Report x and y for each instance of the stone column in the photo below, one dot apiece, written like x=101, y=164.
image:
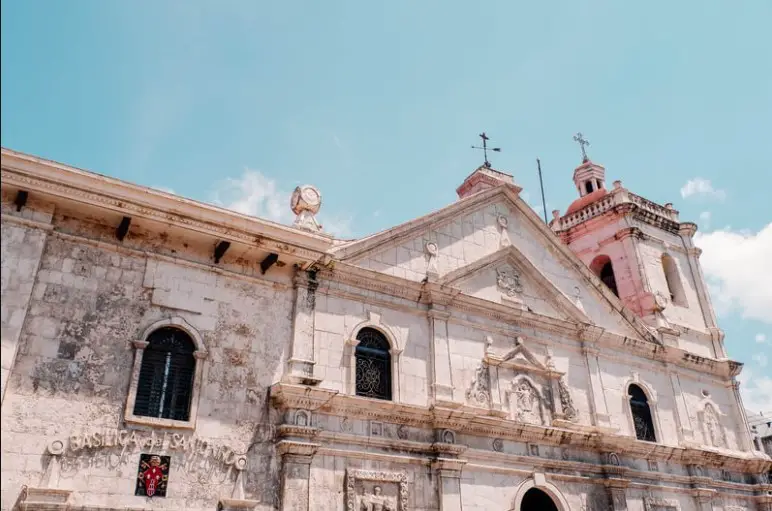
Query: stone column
x=295, y=474
x=301, y=362
x=443, y=377
x=449, y=476
x=617, y=490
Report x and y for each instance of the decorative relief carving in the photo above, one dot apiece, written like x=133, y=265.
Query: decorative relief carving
x=660, y=504
x=402, y=432
x=345, y=425
x=613, y=459
x=479, y=393
x=369, y=490
x=498, y=444
x=508, y=281
x=302, y=418
x=305, y=203
x=527, y=405
x=714, y=432
x=447, y=436
x=566, y=402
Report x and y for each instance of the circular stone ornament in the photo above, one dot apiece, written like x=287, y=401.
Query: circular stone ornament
x=431, y=248
x=56, y=448
x=306, y=198
x=503, y=221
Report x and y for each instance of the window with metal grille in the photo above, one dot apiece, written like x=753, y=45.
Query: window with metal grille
x=166, y=376
x=639, y=406
x=373, y=365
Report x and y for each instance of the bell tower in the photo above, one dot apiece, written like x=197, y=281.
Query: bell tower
x=644, y=254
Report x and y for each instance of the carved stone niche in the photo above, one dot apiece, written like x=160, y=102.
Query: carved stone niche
x=537, y=393
x=371, y=490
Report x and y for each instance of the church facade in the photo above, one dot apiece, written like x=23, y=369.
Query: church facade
x=161, y=353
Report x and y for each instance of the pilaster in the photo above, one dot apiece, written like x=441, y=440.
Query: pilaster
x=442, y=386
x=617, y=490
x=48, y=496
x=599, y=409
x=704, y=499
x=449, y=472
x=301, y=362
x=295, y=474
x=743, y=433
x=683, y=426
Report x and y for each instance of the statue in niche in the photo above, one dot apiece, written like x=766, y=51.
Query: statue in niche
x=565, y=399
x=715, y=432
x=479, y=392
x=527, y=403
x=509, y=281
x=376, y=501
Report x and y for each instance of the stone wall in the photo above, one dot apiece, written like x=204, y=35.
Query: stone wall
x=73, y=368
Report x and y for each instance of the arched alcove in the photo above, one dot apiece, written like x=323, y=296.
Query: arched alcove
x=602, y=267
x=673, y=278
x=537, y=500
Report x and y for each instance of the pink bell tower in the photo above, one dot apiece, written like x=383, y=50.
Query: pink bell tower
x=644, y=255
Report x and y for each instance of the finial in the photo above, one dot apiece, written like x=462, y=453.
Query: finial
x=484, y=148
x=583, y=142
x=305, y=203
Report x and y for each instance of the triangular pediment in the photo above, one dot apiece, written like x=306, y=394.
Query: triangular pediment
x=509, y=278
x=491, y=227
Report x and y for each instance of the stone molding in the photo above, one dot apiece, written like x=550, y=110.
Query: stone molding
x=468, y=420
x=648, y=347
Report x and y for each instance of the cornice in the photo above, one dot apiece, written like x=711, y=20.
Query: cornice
x=57, y=180
x=469, y=421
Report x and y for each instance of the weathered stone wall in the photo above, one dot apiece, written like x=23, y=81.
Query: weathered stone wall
x=23, y=238
x=74, y=364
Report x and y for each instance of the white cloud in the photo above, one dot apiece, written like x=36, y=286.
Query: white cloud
x=734, y=264
x=756, y=392
x=701, y=187
x=760, y=359
x=761, y=338
x=256, y=194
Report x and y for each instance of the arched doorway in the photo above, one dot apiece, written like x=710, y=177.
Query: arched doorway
x=537, y=500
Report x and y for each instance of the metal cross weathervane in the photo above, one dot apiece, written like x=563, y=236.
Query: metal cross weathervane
x=583, y=142
x=485, y=148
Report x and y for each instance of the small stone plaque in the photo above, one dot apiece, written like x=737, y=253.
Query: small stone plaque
x=152, y=475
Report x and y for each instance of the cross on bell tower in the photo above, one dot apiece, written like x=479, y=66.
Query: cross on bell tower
x=484, y=148
x=583, y=142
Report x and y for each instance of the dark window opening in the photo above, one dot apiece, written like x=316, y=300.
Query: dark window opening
x=598, y=184
x=536, y=500
x=639, y=406
x=588, y=186
x=673, y=279
x=373, y=365
x=165, y=385
x=607, y=276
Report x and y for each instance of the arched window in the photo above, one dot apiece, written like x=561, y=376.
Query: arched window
x=165, y=384
x=588, y=186
x=373, y=364
x=639, y=406
x=601, y=266
x=673, y=279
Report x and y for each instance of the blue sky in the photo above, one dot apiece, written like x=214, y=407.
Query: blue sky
x=377, y=104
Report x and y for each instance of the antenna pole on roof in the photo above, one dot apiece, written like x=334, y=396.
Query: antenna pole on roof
x=541, y=184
